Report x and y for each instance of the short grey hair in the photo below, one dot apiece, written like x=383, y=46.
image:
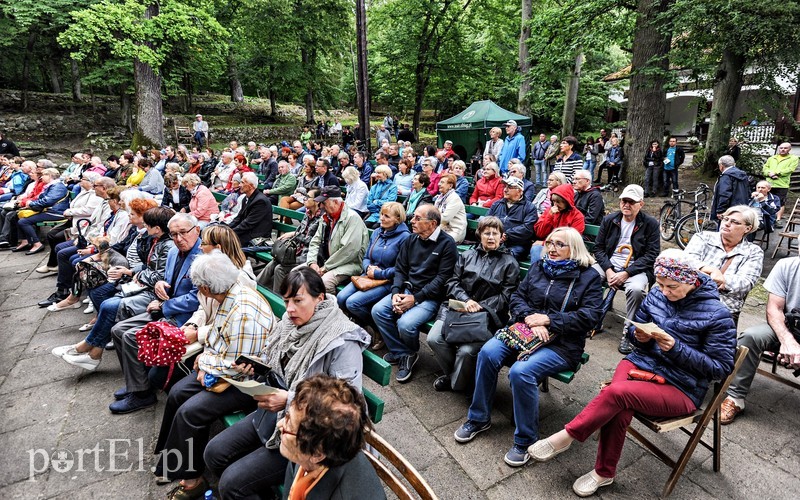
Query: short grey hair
x=214, y=271
x=727, y=161
x=518, y=166
x=582, y=174
x=45, y=163
x=192, y=179
x=182, y=217
x=250, y=178
x=128, y=195
x=106, y=182
x=750, y=215
x=90, y=176
x=227, y=154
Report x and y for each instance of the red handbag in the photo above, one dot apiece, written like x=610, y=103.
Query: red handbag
x=161, y=344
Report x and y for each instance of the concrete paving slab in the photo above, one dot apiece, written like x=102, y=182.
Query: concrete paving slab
x=27, y=451
x=38, y=371
x=401, y=428
x=48, y=405
x=449, y=480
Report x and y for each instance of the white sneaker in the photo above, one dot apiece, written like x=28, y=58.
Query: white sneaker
x=45, y=269
x=87, y=300
x=89, y=309
x=82, y=360
x=59, y=352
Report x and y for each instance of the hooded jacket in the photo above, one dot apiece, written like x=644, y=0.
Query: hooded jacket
x=705, y=339
x=731, y=189
x=571, y=217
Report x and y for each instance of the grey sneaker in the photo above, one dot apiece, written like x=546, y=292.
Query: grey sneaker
x=405, y=366
x=517, y=456
x=625, y=346
x=469, y=430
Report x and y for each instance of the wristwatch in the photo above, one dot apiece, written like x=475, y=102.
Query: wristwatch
x=192, y=324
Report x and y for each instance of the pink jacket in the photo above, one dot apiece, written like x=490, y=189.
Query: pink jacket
x=203, y=204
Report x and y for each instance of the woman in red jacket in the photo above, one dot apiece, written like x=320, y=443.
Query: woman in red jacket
x=489, y=188
x=562, y=213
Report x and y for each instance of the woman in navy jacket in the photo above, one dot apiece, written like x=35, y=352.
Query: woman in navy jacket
x=696, y=345
x=378, y=264
x=50, y=205
x=559, y=301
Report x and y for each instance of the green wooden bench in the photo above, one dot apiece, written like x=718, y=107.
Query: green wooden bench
x=591, y=231
x=220, y=197
x=50, y=223
x=479, y=211
x=374, y=368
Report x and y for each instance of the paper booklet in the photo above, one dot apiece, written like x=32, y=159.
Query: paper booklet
x=251, y=387
x=457, y=305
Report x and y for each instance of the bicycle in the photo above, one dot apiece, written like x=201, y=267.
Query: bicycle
x=671, y=212
x=700, y=219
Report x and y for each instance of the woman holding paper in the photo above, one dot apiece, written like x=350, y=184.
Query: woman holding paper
x=685, y=336
x=552, y=311
x=484, y=278
x=313, y=337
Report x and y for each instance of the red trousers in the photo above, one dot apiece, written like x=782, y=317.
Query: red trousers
x=611, y=411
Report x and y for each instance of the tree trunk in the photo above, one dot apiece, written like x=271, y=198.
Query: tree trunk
x=55, y=75
x=362, y=82
x=126, y=118
x=523, y=104
x=76, y=80
x=237, y=94
x=647, y=100
x=571, y=99
x=273, y=105
x=728, y=83
x=149, y=130
x=26, y=68
x=310, y=85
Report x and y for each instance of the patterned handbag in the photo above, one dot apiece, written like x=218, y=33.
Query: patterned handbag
x=161, y=344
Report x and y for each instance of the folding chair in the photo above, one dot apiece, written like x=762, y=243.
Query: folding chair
x=773, y=373
x=377, y=447
x=790, y=232
x=701, y=417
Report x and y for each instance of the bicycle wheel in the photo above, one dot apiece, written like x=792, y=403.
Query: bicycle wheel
x=691, y=224
x=667, y=221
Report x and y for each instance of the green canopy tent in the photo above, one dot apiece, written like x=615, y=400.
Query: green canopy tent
x=469, y=129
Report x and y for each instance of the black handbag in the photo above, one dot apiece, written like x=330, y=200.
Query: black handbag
x=81, y=241
x=466, y=327
x=284, y=251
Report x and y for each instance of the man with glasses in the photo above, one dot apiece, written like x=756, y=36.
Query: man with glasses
x=424, y=263
x=513, y=146
x=176, y=301
x=588, y=198
x=518, y=216
x=628, y=226
x=254, y=219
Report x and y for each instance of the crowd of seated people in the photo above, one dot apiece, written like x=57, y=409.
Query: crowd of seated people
x=372, y=263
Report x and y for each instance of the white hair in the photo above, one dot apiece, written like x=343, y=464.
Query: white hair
x=128, y=195
x=91, y=176
x=183, y=217
x=227, y=154
x=192, y=179
x=215, y=271
x=250, y=178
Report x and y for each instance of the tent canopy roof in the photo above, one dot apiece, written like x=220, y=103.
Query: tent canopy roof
x=481, y=114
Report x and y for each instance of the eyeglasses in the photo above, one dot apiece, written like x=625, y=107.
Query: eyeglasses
x=97, y=185
x=558, y=245
x=418, y=218
x=181, y=234
x=734, y=221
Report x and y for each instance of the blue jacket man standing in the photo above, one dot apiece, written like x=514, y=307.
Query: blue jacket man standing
x=514, y=146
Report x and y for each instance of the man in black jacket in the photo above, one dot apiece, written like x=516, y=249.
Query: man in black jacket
x=324, y=175
x=588, y=198
x=269, y=166
x=255, y=218
x=629, y=226
x=424, y=264
x=518, y=216
x=731, y=189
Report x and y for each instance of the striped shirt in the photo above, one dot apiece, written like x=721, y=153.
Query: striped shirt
x=569, y=166
x=242, y=325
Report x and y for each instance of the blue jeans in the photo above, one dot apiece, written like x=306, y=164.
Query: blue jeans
x=670, y=180
x=401, y=333
x=359, y=304
x=589, y=165
x=524, y=376
x=27, y=226
x=64, y=253
x=101, y=293
x=536, y=252
x=5, y=197
x=200, y=138
x=540, y=172
x=106, y=318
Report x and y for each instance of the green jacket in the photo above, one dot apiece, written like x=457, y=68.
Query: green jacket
x=783, y=166
x=347, y=246
x=284, y=185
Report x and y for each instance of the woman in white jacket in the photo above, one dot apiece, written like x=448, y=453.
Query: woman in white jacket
x=357, y=191
x=454, y=215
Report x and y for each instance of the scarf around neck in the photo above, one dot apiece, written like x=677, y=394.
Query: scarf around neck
x=555, y=268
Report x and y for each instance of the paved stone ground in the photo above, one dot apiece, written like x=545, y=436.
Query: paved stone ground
x=47, y=406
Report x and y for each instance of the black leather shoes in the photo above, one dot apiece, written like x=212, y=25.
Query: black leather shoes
x=54, y=298
x=23, y=248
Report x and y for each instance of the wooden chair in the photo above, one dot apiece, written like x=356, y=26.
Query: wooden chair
x=184, y=135
x=701, y=417
x=375, y=443
x=773, y=373
x=790, y=232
